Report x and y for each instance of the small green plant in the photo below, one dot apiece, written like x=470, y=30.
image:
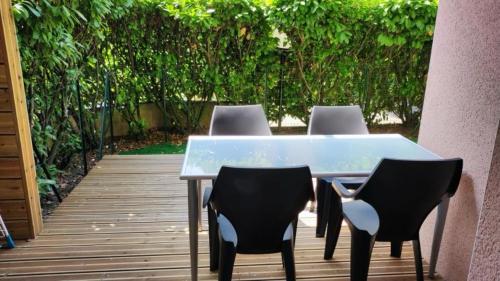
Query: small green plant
x=45, y=184
x=137, y=129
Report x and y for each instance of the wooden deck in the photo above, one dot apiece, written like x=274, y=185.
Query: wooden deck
x=127, y=220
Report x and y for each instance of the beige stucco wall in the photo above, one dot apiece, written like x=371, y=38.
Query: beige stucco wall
x=153, y=117
x=485, y=263
x=460, y=118
x=149, y=112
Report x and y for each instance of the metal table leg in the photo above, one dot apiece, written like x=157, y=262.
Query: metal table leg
x=438, y=234
x=193, y=212
x=200, y=207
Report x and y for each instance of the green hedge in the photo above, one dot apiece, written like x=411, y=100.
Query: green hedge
x=175, y=53
x=181, y=54
x=352, y=52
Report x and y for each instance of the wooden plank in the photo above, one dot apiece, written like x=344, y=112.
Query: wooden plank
x=170, y=275
x=5, y=105
x=13, y=209
x=8, y=146
x=7, y=125
x=166, y=249
x=11, y=189
x=14, y=75
x=10, y=168
x=171, y=158
x=255, y=264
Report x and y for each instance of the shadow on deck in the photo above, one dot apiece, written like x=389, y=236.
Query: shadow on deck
x=127, y=220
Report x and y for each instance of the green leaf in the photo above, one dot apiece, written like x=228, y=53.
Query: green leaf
x=34, y=10
x=385, y=40
x=80, y=15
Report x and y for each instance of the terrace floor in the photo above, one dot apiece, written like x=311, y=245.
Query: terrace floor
x=127, y=220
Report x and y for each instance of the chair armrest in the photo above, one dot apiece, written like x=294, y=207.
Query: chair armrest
x=226, y=230
x=343, y=191
x=361, y=216
x=206, y=195
x=288, y=235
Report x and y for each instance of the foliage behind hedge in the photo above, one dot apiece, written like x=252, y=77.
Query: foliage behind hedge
x=181, y=54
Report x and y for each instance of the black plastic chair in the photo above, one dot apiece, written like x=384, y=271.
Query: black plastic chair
x=234, y=120
x=333, y=120
x=390, y=206
x=339, y=120
x=239, y=120
x=253, y=211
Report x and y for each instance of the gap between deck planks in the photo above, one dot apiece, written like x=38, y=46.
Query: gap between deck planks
x=127, y=220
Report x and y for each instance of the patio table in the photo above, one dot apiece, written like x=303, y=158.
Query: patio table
x=326, y=155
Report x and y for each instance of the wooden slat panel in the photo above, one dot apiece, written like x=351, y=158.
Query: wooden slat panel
x=2, y=57
x=13, y=209
x=8, y=146
x=11, y=189
x=7, y=123
x=19, y=229
x=3, y=76
x=8, y=42
x=10, y=168
x=5, y=105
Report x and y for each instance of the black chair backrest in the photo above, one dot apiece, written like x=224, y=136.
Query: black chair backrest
x=404, y=192
x=244, y=120
x=261, y=203
x=336, y=120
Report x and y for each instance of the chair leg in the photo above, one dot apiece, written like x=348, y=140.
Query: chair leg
x=312, y=206
x=213, y=239
x=295, y=224
x=327, y=205
x=288, y=260
x=334, y=225
x=361, y=250
x=418, y=260
x=226, y=260
x=396, y=248
x=320, y=200
x=282, y=260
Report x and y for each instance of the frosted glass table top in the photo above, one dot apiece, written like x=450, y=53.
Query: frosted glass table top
x=326, y=155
